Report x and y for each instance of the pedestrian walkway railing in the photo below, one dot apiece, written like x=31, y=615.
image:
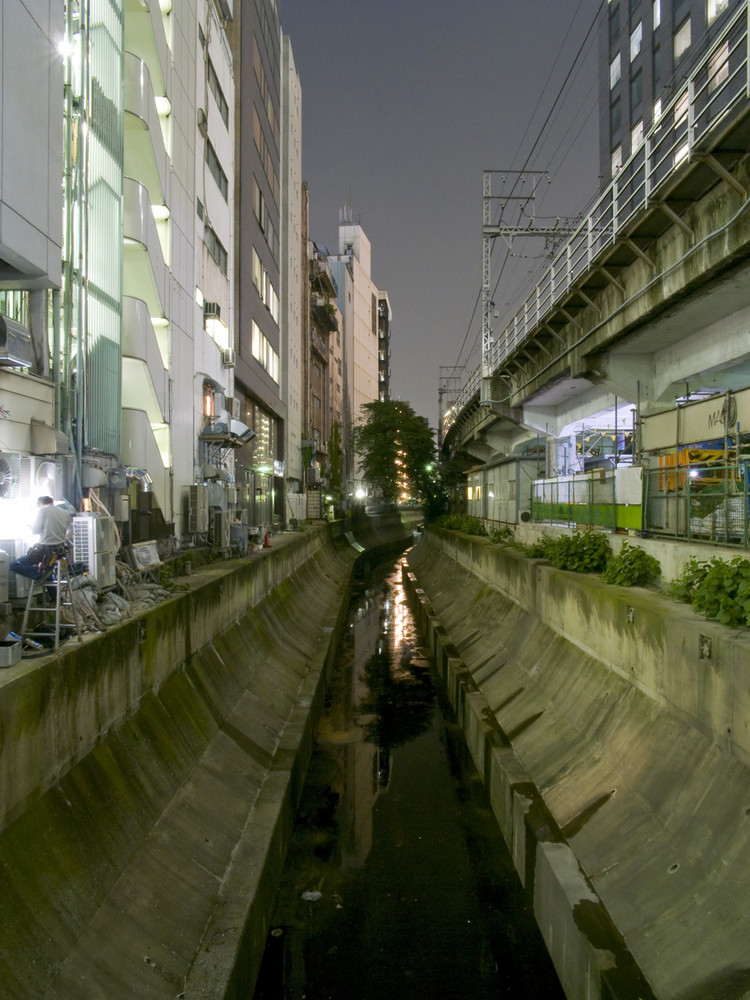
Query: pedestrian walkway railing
x=716, y=86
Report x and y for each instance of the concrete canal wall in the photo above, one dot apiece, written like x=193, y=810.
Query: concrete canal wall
x=612, y=728
x=149, y=778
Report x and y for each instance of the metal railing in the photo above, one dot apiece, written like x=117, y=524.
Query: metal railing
x=707, y=504
x=585, y=501
x=719, y=81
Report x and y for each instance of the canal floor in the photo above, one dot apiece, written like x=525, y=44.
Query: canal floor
x=398, y=884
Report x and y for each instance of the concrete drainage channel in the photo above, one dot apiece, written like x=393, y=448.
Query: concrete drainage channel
x=149, y=779
x=573, y=920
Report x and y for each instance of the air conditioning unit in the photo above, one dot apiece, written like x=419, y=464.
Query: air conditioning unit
x=94, y=543
x=45, y=476
x=220, y=530
x=10, y=475
x=212, y=309
x=197, y=509
x=4, y=576
x=312, y=475
x=228, y=357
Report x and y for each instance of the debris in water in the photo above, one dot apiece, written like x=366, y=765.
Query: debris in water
x=311, y=897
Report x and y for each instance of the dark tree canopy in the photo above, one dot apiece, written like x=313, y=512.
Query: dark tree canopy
x=393, y=441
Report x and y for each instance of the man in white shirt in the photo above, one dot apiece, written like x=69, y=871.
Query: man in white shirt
x=52, y=525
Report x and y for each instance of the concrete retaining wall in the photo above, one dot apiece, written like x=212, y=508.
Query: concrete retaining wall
x=611, y=728
x=149, y=779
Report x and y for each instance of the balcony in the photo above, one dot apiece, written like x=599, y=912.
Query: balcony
x=146, y=39
x=146, y=157
x=144, y=374
x=324, y=316
x=144, y=272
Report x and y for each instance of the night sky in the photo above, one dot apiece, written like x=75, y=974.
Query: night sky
x=404, y=104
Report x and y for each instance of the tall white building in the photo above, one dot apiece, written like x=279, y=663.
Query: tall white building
x=130, y=297
x=358, y=301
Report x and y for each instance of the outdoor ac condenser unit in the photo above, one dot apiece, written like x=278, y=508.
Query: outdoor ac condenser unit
x=198, y=509
x=94, y=544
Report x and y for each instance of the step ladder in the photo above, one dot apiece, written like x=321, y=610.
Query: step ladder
x=55, y=577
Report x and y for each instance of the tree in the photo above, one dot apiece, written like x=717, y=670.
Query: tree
x=396, y=451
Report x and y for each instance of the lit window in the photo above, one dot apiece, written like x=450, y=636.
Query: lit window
x=656, y=13
x=616, y=159
x=682, y=39
x=718, y=67
x=657, y=110
x=714, y=8
x=636, y=136
x=636, y=40
x=614, y=71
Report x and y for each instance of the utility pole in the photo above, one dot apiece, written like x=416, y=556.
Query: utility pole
x=526, y=183
x=451, y=377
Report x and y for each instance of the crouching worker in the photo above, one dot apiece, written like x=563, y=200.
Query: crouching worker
x=52, y=525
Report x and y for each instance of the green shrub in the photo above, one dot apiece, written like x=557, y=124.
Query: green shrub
x=582, y=552
x=631, y=567
x=461, y=522
x=683, y=587
x=501, y=536
x=540, y=549
x=724, y=592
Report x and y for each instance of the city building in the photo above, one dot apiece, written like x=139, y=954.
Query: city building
x=322, y=445
x=119, y=281
x=293, y=280
x=358, y=301
x=384, y=347
x=255, y=38
x=647, y=47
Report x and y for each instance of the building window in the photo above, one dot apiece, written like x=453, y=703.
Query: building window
x=616, y=159
x=265, y=91
x=264, y=353
x=216, y=172
x=718, y=67
x=636, y=40
x=636, y=90
x=657, y=110
x=682, y=39
x=221, y=101
x=615, y=115
x=266, y=156
x=614, y=24
x=656, y=63
x=260, y=207
x=714, y=8
x=615, y=72
x=215, y=249
x=636, y=136
x=264, y=285
x=656, y=13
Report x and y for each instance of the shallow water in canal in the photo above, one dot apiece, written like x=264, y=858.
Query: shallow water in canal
x=398, y=884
